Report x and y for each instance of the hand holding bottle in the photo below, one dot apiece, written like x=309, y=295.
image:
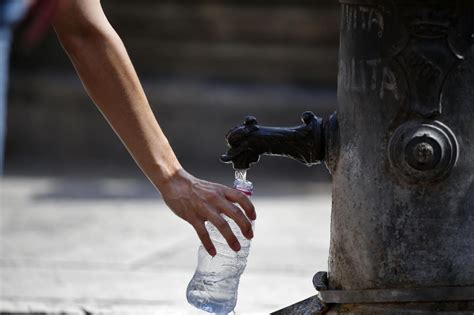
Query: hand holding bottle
x=197, y=201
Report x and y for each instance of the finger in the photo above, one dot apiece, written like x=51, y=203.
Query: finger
x=233, y=195
x=204, y=237
x=225, y=230
x=236, y=214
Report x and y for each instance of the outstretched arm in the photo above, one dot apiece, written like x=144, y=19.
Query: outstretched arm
x=107, y=74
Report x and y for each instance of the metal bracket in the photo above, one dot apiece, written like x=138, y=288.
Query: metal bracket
x=398, y=295
x=433, y=294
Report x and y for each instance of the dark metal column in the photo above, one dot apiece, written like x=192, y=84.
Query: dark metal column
x=403, y=209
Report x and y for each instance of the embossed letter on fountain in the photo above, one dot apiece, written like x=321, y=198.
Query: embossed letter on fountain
x=371, y=75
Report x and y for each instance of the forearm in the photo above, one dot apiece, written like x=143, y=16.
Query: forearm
x=107, y=73
x=108, y=76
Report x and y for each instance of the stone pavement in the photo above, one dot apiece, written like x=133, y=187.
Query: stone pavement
x=108, y=246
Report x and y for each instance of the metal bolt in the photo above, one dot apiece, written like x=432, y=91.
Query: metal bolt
x=423, y=152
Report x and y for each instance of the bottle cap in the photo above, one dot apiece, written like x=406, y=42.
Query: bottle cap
x=244, y=186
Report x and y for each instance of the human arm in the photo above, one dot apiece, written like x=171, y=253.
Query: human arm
x=107, y=74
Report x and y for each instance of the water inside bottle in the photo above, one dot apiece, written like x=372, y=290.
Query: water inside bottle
x=211, y=292
x=214, y=285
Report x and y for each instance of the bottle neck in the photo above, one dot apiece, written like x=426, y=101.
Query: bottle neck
x=244, y=186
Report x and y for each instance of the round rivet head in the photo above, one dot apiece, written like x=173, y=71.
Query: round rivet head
x=423, y=151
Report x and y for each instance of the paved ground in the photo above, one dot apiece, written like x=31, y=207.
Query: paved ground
x=111, y=246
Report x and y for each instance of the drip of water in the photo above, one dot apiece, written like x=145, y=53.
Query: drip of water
x=241, y=175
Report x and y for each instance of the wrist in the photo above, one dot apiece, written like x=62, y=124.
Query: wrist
x=175, y=182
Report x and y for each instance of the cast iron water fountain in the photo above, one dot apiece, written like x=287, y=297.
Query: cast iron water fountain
x=401, y=154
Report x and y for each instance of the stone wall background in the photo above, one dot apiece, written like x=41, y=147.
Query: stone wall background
x=205, y=65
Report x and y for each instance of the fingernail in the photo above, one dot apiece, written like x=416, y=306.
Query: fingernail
x=250, y=234
x=212, y=252
x=236, y=246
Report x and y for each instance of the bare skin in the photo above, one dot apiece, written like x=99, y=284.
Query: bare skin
x=109, y=78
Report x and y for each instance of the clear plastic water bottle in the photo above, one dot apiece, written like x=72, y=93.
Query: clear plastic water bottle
x=214, y=285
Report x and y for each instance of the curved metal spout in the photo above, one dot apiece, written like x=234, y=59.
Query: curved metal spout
x=304, y=143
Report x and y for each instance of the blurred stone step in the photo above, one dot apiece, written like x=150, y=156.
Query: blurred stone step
x=228, y=22
x=51, y=116
x=274, y=41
